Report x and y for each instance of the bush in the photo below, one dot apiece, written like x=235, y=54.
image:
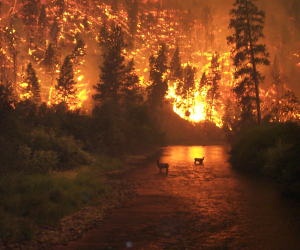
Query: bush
x=30, y=200
x=250, y=149
x=272, y=150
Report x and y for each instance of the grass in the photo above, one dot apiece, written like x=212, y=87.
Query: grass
x=30, y=200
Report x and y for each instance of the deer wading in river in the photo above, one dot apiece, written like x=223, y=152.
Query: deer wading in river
x=163, y=165
x=200, y=160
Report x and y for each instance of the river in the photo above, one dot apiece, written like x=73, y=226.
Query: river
x=199, y=206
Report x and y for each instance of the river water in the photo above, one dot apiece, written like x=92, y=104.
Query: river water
x=205, y=206
x=225, y=209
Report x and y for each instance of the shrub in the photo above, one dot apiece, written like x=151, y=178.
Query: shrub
x=271, y=149
x=250, y=149
x=30, y=200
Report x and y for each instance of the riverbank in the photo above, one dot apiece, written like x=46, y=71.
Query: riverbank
x=73, y=226
x=271, y=150
x=196, y=206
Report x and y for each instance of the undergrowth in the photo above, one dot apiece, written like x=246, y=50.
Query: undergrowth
x=31, y=200
x=271, y=150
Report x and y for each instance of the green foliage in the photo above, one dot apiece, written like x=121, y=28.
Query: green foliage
x=30, y=200
x=271, y=149
x=40, y=151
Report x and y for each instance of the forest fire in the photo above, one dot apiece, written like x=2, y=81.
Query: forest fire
x=73, y=29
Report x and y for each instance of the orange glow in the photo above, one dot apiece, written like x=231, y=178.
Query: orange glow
x=168, y=28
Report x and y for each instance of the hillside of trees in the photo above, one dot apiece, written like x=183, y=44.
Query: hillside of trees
x=83, y=84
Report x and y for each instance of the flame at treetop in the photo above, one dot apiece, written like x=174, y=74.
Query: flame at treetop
x=155, y=25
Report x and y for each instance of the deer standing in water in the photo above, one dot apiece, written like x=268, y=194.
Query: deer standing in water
x=200, y=160
x=163, y=165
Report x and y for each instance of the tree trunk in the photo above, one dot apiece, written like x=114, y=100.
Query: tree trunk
x=254, y=68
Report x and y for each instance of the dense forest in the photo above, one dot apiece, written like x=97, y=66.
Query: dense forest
x=87, y=80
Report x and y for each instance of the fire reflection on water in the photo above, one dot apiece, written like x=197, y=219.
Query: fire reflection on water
x=221, y=208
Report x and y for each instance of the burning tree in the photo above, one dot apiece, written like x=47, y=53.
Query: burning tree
x=213, y=86
x=176, y=69
x=277, y=76
x=287, y=109
x=248, y=23
x=42, y=22
x=12, y=40
x=50, y=60
x=66, y=91
x=30, y=12
x=33, y=86
x=188, y=88
x=79, y=52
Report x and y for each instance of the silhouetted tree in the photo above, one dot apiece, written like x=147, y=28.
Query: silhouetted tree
x=50, y=60
x=188, y=88
x=158, y=80
x=54, y=32
x=33, y=86
x=176, y=76
x=113, y=69
x=295, y=10
x=66, y=91
x=132, y=11
x=79, y=52
x=12, y=41
x=6, y=98
x=30, y=12
x=229, y=121
x=86, y=24
x=207, y=21
x=130, y=90
x=61, y=6
x=212, y=92
x=103, y=36
x=176, y=68
x=277, y=76
x=248, y=23
x=42, y=21
x=203, y=82
x=115, y=7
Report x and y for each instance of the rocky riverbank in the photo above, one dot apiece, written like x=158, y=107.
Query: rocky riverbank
x=72, y=227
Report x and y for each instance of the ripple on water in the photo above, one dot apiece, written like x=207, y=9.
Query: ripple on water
x=220, y=209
